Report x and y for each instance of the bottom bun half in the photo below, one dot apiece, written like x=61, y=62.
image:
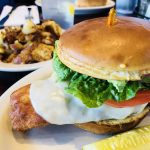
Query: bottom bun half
x=114, y=126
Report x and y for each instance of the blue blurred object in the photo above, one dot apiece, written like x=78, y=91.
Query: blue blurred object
x=126, y=6
x=6, y=2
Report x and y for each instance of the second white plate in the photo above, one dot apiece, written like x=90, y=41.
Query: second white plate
x=86, y=10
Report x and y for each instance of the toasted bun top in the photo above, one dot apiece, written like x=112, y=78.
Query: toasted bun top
x=91, y=47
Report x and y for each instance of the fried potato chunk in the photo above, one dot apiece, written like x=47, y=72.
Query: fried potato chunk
x=18, y=43
x=42, y=52
x=22, y=115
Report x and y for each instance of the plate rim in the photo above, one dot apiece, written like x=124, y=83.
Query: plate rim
x=22, y=81
x=10, y=67
x=112, y=3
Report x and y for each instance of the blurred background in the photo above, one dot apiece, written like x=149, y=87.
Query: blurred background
x=140, y=8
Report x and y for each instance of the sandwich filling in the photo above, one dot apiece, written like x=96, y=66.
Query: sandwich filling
x=94, y=92
x=69, y=97
x=56, y=106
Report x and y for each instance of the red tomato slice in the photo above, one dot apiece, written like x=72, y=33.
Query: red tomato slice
x=142, y=97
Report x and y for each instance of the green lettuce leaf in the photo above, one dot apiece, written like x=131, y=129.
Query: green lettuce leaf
x=94, y=92
x=146, y=79
x=64, y=73
x=119, y=85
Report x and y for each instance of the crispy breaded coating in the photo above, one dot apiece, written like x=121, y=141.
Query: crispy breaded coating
x=22, y=115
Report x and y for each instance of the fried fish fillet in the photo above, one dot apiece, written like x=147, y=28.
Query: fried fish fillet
x=22, y=115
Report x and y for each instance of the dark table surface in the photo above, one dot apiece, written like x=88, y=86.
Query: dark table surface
x=9, y=78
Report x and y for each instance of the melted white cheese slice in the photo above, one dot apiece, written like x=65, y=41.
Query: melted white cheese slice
x=57, y=107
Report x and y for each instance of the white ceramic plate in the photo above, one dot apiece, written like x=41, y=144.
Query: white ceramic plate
x=9, y=67
x=93, y=10
x=87, y=10
x=51, y=137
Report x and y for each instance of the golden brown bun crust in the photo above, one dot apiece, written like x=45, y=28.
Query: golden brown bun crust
x=91, y=46
x=89, y=3
x=114, y=126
